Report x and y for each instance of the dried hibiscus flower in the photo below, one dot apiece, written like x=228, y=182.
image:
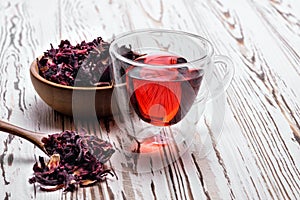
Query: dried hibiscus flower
x=76, y=161
x=85, y=64
x=62, y=65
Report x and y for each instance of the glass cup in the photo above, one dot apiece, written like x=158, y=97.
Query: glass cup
x=162, y=82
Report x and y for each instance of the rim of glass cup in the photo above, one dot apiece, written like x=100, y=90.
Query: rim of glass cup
x=113, y=51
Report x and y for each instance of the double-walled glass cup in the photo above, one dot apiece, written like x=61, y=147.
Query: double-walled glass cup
x=162, y=80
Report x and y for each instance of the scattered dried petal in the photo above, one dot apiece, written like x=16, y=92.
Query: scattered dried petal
x=85, y=183
x=54, y=161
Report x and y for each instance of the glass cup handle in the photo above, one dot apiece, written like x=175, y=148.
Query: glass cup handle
x=222, y=75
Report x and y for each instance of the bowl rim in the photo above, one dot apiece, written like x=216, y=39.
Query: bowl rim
x=34, y=72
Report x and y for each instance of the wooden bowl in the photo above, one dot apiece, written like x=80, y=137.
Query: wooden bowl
x=72, y=101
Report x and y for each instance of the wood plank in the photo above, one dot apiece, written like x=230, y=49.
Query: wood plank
x=21, y=41
x=253, y=80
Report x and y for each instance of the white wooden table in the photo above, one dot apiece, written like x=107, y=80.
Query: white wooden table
x=252, y=153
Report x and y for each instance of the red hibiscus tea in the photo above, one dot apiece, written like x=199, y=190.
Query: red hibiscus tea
x=162, y=95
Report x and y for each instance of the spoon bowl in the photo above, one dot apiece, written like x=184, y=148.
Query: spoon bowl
x=96, y=146
x=80, y=156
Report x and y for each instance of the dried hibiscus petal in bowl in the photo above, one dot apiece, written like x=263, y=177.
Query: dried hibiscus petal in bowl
x=76, y=160
x=61, y=65
x=86, y=64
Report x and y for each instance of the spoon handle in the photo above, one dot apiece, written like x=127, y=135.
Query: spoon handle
x=30, y=136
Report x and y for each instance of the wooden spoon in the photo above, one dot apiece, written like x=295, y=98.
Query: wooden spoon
x=33, y=137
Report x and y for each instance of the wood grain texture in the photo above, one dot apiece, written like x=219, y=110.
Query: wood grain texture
x=251, y=152
x=258, y=80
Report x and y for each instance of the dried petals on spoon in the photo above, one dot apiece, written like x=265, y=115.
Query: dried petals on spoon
x=76, y=160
